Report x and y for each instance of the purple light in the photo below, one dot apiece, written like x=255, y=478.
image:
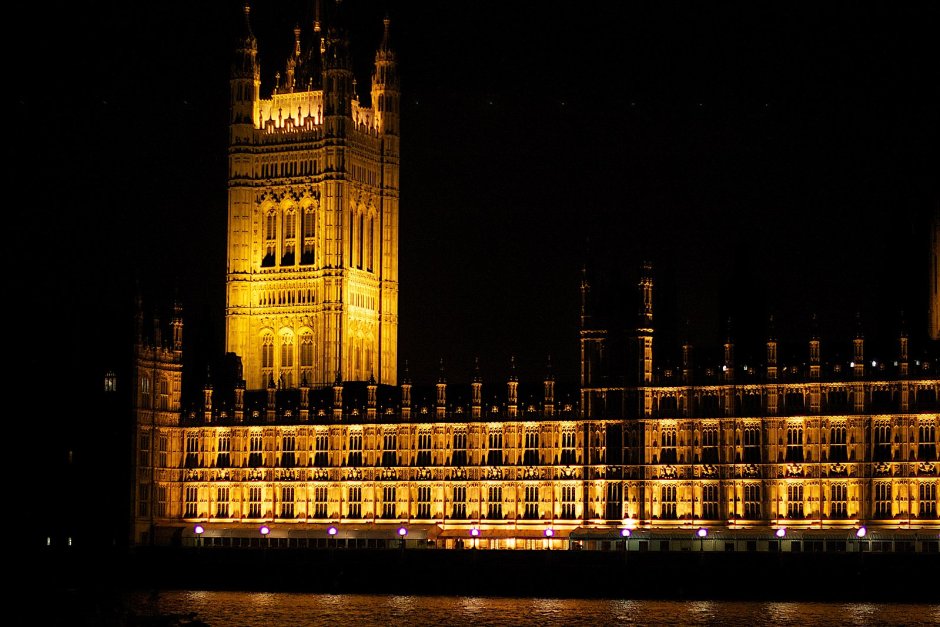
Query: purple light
x=402, y=531
x=781, y=532
x=702, y=532
x=475, y=532
x=265, y=530
x=861, y=532
x=199, y=530
x=549, y=533
x=331, y=530
x=625, y=533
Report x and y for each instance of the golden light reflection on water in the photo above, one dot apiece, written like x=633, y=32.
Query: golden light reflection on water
x=251, y=609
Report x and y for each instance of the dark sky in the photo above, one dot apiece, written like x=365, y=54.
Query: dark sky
x=771, y=157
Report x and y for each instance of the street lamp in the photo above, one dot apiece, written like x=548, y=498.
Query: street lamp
x=199, y=530
x=861, y=532
x=780, y=533
x=625, y=533
x=402, y=532
x=701, y=533
x=265, y=530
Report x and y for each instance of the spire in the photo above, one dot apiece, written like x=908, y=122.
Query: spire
x=441, y=378
x=476, y=370
x=406, y=377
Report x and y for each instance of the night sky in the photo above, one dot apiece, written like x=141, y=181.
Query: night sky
x=779, y=158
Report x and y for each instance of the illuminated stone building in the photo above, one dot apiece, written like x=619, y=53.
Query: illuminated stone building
x=775, y=456
x=312, y=280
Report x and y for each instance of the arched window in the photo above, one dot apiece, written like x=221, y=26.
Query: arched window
x=287, y=359
x=306, y=356
x=270, y=238
x=371, y=244
x=267, y=357
x=309, y=235
x=164, y=393
x=290, y=234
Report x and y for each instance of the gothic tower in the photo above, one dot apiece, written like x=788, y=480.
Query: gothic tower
x=934, y=322
x=312, y=275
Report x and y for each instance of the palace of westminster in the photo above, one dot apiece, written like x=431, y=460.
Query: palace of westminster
x=319, y=438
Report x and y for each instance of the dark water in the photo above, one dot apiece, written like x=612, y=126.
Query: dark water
x=253, y=609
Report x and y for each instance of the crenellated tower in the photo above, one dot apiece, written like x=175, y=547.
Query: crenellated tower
x=312, y=274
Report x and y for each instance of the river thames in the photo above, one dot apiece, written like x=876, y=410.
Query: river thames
x=263, y=609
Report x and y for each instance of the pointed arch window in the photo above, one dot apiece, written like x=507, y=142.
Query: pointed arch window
x=267, y=357
x=371, y=244
x=287, y=359
x=309, y=233
x=290, y=237
x=306, y=356
x=270, y=239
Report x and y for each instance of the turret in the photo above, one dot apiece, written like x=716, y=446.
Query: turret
x=727, y=368
x=476, y=391
x=176, y=325
x=245, y=82
x=337, y=76
x=903, y=352
x=338, y=398
x=386, y=94
x=549, y=391
x=207, y=400
x=371, y=388
x=441, y=393
x=270, y=410
x=771, y=350
x=512, y=390
x=858, y=349
x=814, y=352
x=240, y=401
x=406, y=394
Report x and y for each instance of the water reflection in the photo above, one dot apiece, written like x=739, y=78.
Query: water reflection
x=249, y=609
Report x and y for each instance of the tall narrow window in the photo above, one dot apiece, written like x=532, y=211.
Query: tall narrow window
x=355, y=449
x=270, y=239
x=883, y=500
x=459, y=511
x=390, y=449
x=838, y=501
x=530, y=455
x=752, y=501
x=567, y=447
x=568, y=501
x=267, y=357
x=224, y=450
x=306, y=357
x=321, y=456
x=794, y=501
x=459, y=456
x=710, y=502
x=424, y=502
x=290, y=235
x=287, y=360
x=531, y=502
x=359, y=242
x=164, y=446
x=255, y=454
x=164, y=393
x=710, y=446
x=668, y=502
x=192, y=449
x=795, y=445
x=388, y=502
x=352, y=238
x=254, y=502
x=667, y=449
x=309, y=234
x=320, y=502
x=614, y=500
x=928, y=500
x=424, y=449
x=288, y=453
x=355, y=502
x=371, y=244
x=927, y=443
x=192, y=502
x=494, y=454
x=837, y=447
x=221, y=503
x=287, y=502
x=882, y=443
x=494, y=503
x=752, y=445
